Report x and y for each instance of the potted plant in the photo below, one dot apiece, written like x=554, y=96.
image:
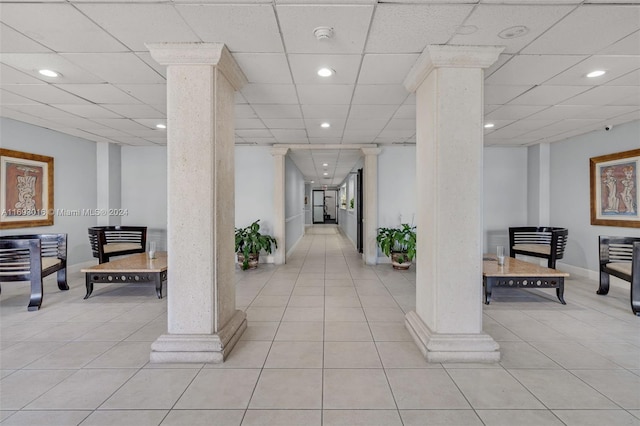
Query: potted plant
x=249, y=243
x=399, y=244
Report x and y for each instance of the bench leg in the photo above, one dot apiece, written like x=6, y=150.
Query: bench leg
x=158, y=280
x=604, y=283
x=35, y=301
x=635, y=294
x=560, y=293
x=488, y=286
x=62, y=279
x=89, y=285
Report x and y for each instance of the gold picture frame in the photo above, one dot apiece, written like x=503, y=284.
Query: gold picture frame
x=26, y=190
x=615, y=189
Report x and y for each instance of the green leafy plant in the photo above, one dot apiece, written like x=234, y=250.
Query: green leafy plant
x=351, y=203
x=401, y=240
x=249, y=241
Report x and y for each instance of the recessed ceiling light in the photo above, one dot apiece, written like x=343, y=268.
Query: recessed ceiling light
x=514, y=32
x=325, y=125
x=489, y=125
x=596, y=73
x=313, y=181
x=325, y=72
x=49, y=73
x=326, y=174
x=325, y=164
x=161, y=126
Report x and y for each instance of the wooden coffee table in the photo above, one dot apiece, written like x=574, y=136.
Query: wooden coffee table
x=137, y=268
x=517, y=273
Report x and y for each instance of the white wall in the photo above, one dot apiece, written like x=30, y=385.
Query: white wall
x=144, y=190
x=294, y=204
x=505, y=194
x=396, y=185
x=75, y=181
x=308, y=216
x=254, y=187
x=570, y=196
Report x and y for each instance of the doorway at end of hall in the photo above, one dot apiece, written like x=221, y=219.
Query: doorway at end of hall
x=325, y=206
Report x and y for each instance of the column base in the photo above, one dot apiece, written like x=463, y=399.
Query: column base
x=199, y=348
x=438, y=347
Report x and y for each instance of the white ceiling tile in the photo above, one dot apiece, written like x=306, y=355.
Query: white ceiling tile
x=502, y=59
x=248, y=123
x=14, y=41
x=396, y=134
x=97, y=93
x=277, y=111
x=269, y=68
x=350, y=24
x=10, y=75
x=116, y=68
x=629, y=45
x=45, y=93
x=244, y=111
x=325, y=111
x=615, y=66
x=532, y=69
x=284, y=123
x=491, y=20
x=57, y=26
x=289, y=135
x=606, y=112
x=547, y=95
x=386, y=69
x=254, y=133
x=587, y=30
x=361, y=133
x=376, y=111
x=514, y=112
x=305, y=68
x=382, y=94
x=146, y=57
x=150, y=127
x=153, y=94
x=560, y=112
x=315, y=131
x=603, y=95
x=630, y=79
x=137, y=24
x=242, y=27
x=89, y=111
x=30, y=63
x=500, y=95
x=270, y=94
x=632, y=99
x=121, y=123
x=406, y=111
x=9, y=98
x=324, y=140
x=367, y=124
x=43, y=111
x=401, y=124
x=325, y=94
x=135, y=111
x=408, y=28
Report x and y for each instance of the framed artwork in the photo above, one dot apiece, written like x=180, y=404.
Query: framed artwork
x=615, y=189
x=26, y=190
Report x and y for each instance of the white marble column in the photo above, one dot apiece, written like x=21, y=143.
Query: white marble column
x=203, y=322
x=447, y=323
x=279, y=225
x=370, y=200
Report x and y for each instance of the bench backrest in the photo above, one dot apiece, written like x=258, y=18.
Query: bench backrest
x=21, y=255
x=545, y=235
x=101, y=235
x=616, y=249
x=51, y=245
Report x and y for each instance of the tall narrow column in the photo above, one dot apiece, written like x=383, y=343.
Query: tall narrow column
x=447, y=323
x=279, y=225
x=203, y=322
x=370, y=195
x=108, y=170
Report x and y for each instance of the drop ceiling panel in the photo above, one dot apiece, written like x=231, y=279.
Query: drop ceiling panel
x=491, y=20
x=10, y=75
x=289, y=135
x=305, y=68
x=269, y=68
x=587, y=30
x=242, y=27
x=97, y=93
x=45, y=23
x=381, y=94
x=615, y=66
x=89, y=111
x=514, y=112
x=9, y=98
x=500, y=95
x=383, y=112
x=606, y=112
x=349, y=22
x=121, y=123
x=244, y=111
x=44, y=93
x=631, y=79
x=560, y=112
x=401, y=124
x=116, y=68
x=43, y=111
x=532, y=69
x=407, y=111
x=408, y=28
x=317, y=94
x=547, y=95
x=361, y=135
x=277, y=111
x=603, y=95
x=14, y=41
x=317, y=141
x=254, y=133
x=369, y=124
x=270, y=93
x=248, y=123
x=629, y=45
x=30, y=63
x=386, y=69
x=152, y=94
x=284, y=123
x=325, y=111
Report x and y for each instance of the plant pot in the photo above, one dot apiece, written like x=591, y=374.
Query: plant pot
x=403, y=266
x=253, y=260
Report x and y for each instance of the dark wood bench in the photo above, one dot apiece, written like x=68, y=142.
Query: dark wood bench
x=544, y=242
x=108, y=241
x=31, y=258
x=620, y=257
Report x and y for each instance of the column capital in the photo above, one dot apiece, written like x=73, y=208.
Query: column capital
x=214, y=54
x=371, y=151
x=279, y=151
x=440, y=56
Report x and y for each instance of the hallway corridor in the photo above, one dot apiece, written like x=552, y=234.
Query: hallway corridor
x=325, y=345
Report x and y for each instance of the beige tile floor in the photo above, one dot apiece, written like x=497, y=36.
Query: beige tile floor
x=325, y=345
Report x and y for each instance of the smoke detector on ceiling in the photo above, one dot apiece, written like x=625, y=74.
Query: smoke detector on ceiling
x=323, y=33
